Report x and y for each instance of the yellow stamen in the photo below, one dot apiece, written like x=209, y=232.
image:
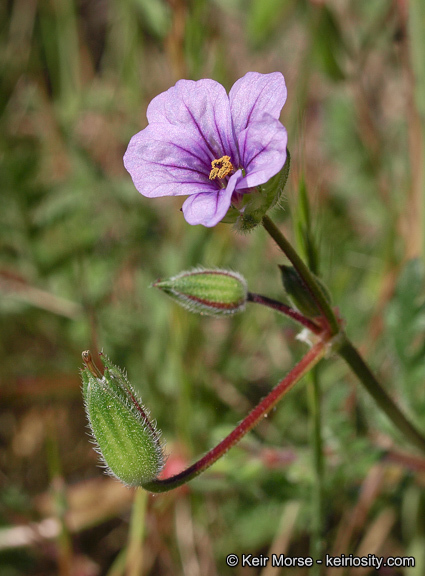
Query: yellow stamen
x=221, y=167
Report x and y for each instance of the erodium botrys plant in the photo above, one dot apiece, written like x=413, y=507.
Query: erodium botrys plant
x=228, y=154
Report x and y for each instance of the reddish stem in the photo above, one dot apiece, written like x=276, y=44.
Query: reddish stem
x=286, y=310
x=313, y=356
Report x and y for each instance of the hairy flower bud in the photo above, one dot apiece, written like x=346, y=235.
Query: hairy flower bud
x=299, y=295
x=211, y=292
x=126, y=439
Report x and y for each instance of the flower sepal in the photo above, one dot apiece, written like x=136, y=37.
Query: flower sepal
x=232, y=215
x=212, y=292
x=255, y=205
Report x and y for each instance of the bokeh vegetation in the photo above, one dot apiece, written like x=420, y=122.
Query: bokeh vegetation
x=80, y=248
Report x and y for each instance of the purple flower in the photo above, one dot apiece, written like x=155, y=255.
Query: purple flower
x=210, y=146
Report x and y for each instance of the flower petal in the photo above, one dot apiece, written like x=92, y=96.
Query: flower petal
x=254, y=95
x=263, y=151
x=209, y=209
x=167, y=160
x=201, y=108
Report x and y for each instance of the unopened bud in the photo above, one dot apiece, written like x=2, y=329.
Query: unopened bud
x=127, y=440
x=211, y=292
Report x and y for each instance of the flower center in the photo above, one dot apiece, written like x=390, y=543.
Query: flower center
x=220, y=168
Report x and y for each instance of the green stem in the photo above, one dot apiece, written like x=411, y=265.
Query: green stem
x=345, y=349
x=304, y=273
x=314, y=397
x=134, y=555
x=351, y=356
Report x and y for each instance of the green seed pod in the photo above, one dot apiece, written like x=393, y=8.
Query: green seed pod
x=211, y=292
x=298, y=294
x=127, y=441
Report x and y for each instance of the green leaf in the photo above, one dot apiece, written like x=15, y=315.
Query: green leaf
x=329, y=44
x=299, y=295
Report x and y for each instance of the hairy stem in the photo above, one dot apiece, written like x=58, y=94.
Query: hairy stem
x=286, y=310
x=313, y=356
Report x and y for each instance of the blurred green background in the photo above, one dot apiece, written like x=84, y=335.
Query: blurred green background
x=79, y=248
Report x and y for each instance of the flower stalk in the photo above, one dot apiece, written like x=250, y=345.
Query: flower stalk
x=313, y=356
x=286, y=310
x=345, y=348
